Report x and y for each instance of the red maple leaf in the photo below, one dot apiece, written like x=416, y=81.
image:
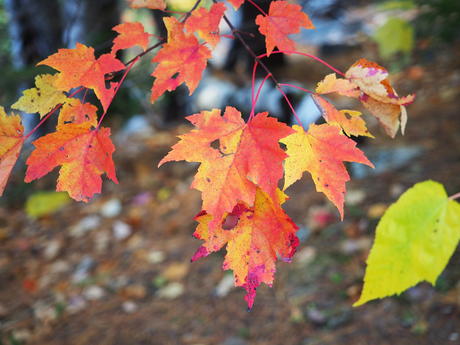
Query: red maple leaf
x=130, y=35
x=206, y=23
x=84, y=154
x=181, y=60
x=248, y=155
x=260, y=235
x=79, y=67
x=283, y=19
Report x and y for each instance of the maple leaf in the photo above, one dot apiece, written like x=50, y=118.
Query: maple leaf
x=74, y=111
x=206, y=23
x=260, y=235
x=283, y=19
x=248, y=155
x=152, y=4
x=181, y=60
x=236, y=3
x=42, y=98
x=343, y=87
x=79, y=67
x=130, y=35
x=321, y=151
x=379, y=96
x=11, y=141
x=349, y=120
x=84, y=154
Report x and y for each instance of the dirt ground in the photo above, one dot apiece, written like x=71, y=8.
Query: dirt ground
x=117, y=271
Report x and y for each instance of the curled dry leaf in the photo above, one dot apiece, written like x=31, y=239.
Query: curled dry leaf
x=378, y=95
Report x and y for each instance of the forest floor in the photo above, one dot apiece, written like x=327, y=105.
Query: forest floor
x=117, y=271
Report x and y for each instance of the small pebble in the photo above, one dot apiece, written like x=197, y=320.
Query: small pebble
x=129, y=307
x=121, y=230
x=454, y=336
x=94, y=293
x=171, y=291
x=156, y=257
x=111, y=208
x=52, y=249
x=225, y=285
x=85, y=225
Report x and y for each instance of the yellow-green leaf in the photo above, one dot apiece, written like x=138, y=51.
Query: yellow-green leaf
x=42, y=98
x=44, y=203
x=414, y=241
x=396, y=35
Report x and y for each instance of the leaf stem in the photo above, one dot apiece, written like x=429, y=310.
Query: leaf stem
x=297, y=87
x=258, y=7
x=455, y=196
x=164, y=40
x=127, y=70
x=314, y=57
x=254, y=102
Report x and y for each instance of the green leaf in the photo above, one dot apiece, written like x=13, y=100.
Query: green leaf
x=414, y=241
x=44, y=203
x=395, y=36
x=397, y=5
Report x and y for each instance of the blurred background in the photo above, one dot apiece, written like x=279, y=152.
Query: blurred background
x=117, y=270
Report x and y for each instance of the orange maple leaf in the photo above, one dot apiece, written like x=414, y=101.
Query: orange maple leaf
x=11, y=141
x=236, y=3
x=258, y=237
x=378, y=95
x=152, y=4
x=84, y=154
x=349, y=120
x=74, y=111
x=181, y=60
x=79, y=67
x=248, y=155
x=321, y=151
x=206, y=23
x=130, y=35
x=283, y=19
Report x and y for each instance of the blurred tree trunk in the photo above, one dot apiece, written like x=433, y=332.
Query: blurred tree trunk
x=35, y=29
x=35, y=32
x=250, y=32
x=90, y=22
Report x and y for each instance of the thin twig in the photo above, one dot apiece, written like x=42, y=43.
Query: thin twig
x=455, y=196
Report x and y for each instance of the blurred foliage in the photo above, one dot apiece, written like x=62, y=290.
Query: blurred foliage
x=439, y=20
x=45, y=203
x=185, y=5
x=395, y=36
x=436, y=21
